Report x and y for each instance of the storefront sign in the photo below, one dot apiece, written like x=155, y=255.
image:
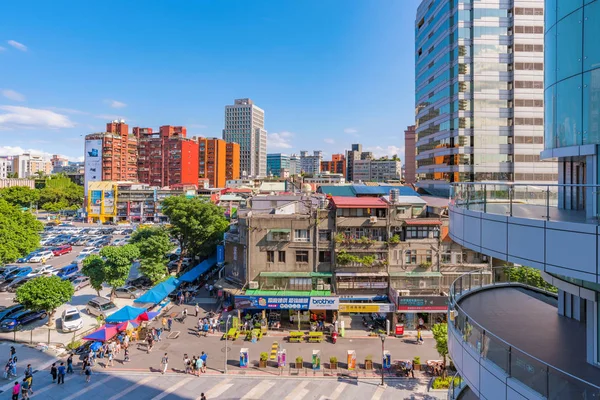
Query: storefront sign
x=423, y=303
x=366, y=308
x=272, y=302
x=324, y=303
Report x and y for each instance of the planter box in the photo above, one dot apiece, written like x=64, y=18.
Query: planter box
x=262, y=364
x=333, y=365
x=298, y=365
x=417, y=367
x=368, y=364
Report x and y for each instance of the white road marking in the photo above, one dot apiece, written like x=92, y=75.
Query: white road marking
x=378, y=393
x=172, y=389
x=299, y=392
x=218, y=389
x=338, y=391
x=88, y=388
x=132, y=388
x=259, y=390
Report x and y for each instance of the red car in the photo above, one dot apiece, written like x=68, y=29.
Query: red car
x=61, y=250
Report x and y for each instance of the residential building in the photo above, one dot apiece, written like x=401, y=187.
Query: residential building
x=6, y=166
x=310, y=164
x=361, y=171
x=325, y=178
x=385, y=170
x=245, y=125
x=139, y=132
x=337, y=165
x=74, y=171
x=554, y=230
x=167, y=157
x=111, y=155
x=410, y=150
x=294, y=165
x=276, y=162
x=355, y=154
x=58, y=161
x=218, y=161
x=28, y=165
x=479, y=97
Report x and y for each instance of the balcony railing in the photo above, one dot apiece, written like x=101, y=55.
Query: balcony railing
x=545, y=202
x=549, y=381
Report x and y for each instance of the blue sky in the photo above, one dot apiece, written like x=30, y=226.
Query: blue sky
x=327, y=73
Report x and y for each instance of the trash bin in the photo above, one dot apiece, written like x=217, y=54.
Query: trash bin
x=399, y=330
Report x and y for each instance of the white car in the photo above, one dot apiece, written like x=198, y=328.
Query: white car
x=87, y=251
x=120, y=242
x=44, y=270
x=71, y=320
x=42, y=256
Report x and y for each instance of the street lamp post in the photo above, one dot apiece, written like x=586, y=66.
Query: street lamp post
x=226, y=334
x=382, y=337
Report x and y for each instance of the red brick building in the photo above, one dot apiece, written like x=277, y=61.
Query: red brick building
x=119, y=152
x=167, y=157
x=337, y=165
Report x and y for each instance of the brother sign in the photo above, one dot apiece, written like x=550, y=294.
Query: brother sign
x=324, y=303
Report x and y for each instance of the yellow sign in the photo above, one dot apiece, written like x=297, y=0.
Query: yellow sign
x=359, y=308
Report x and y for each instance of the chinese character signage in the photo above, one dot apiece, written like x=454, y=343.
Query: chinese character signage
x=423, y=303
x=272, y=302
x=220, y=254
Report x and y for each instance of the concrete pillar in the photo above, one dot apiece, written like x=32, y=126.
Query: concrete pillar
x=568, y=305
x=561, y=302
x=591, y=333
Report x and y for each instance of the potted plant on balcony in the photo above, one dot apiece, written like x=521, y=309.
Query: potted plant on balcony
x=417, y=363
x=339, y=238
x=425, y=264
x=262, y=362
x=365, y=240
x=369, y=362
x=368, y=261
x=394, y=240
x=299, y=362
x=332, y=362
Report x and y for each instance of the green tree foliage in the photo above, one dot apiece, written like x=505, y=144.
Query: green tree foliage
x=153, y=244
x=111, y=267
x=21, y=196
x=440, y=335
x=529, y=276
x=45, y=293
x=61, y=194
x=19, y=232
x=197, y=224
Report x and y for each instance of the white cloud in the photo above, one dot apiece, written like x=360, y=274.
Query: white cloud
x=31, y=118
x=12, y=95
x=280, y=140
x=115, y=103
x=17, y=45
x=329, y=141
x=2, y=48
x=350, y=130
x=67, y=110
x=379, y=151
x=16, y=150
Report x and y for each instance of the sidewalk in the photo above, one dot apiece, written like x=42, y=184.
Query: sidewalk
x=39, y=360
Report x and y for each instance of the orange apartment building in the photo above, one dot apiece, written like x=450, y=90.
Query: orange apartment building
x=119, y=152
x=218, y=161
x=337, y=165
x=167, y=157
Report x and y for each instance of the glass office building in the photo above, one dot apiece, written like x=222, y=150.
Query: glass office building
x=276, y=162
x=479, y=92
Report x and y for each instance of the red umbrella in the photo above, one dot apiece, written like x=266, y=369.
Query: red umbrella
x=127, y=326
x=147, y=316
x=103, y=334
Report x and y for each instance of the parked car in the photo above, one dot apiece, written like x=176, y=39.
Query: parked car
x=18, y=320
x=42, y=256
x=141, y=282
x=119, y=242
x=67, y=271
x=128, y=292
x=10, y=311
x=87, y=250
x=7, y=269
x=44, y=270
x=186, y=262
x=71, y=320
x=18, y=282
x=79, y=259
x=9, y=282
x=27, y=258
x=62, y=250
x=18, y=272
x=80, y=282
x=100, y=307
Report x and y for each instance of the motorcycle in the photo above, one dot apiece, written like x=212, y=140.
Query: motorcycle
x=334, y=336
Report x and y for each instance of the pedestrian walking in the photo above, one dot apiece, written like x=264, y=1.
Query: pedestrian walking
x=70, y=364
x=199, y=365
x=202, y=396
x=13, y=352
x=186, y=363
x=164, y=363
x=126, y=342
x=86, y=362
x=13, y=366
x=29, y=380
x=164, y=322
x=150, y=341
x=158, y=333
x=111, y=356
x=61, y=373
x=88, y=374
x=187, y=296
x=25, y=389
x=184, y=313
x=210, y=290
x=126, y=355
x=204, y=357
x=197, y=309
x=170, y=323
x=193, y=365
x=54, y=372
x=28, y=371
x=15, y=391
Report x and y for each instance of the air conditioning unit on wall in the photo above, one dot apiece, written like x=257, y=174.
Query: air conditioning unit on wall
x=422, y=284
x=373, y=220
x=253, y=285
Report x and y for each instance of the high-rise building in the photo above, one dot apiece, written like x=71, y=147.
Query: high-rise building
x=245, y=125
x=479, y=99
x=294, y=165
x=140, y=132
x=311, y=164
x=409, y=155
x=276, y=162
x=337, y=165
x=219, y=161
x=167, y=157
x=354, y=154
x=6, y=166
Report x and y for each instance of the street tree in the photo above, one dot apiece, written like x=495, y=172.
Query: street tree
x=197, y=224
x=19, y=232
x=117, y=264
x=93, y=268
x=440, y=335
x=21, y=196
x=153, y=244
x=45, y=293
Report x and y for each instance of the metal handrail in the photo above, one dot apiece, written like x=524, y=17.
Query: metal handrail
x=454, y=303
x=526, y=184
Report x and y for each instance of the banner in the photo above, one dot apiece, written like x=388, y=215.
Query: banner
x=423, y=303
x=95, y=201
x=109, y=202
x=366, y=307
x=93, y=162
x=220, y=254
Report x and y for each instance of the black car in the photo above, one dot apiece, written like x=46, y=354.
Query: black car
x=19, y=319
x=8, y=282
x=10, y=311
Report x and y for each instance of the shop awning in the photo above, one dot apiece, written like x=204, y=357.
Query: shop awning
x=159, y=292
x=289, y=293
x=296, y=274
x=280, y=230
x=364, y=274
x=198, y=270
x=416, y=274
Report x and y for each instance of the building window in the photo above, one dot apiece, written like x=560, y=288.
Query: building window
x=325, y=256
x=324, y=235
x=300, y=284
x=421, y=232
x=446, y=258
x=278, y=235
x=302, y=256
x=410, y=257
x=282, y=256
x=428, y=256
x=270, y=256
x=301, y=235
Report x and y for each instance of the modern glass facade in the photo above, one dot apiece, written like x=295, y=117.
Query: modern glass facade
x=479, y=92
x=275, y=162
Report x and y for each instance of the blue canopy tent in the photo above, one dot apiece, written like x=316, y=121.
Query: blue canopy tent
x=199, y=269
x=159, y=292
x=126, y=313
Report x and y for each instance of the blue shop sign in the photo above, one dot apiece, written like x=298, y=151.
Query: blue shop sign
x=272, y=302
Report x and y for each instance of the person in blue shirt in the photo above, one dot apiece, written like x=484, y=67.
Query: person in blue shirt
x=62, y=371
x=203, y=357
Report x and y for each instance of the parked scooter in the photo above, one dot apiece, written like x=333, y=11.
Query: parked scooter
x=334, y=336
